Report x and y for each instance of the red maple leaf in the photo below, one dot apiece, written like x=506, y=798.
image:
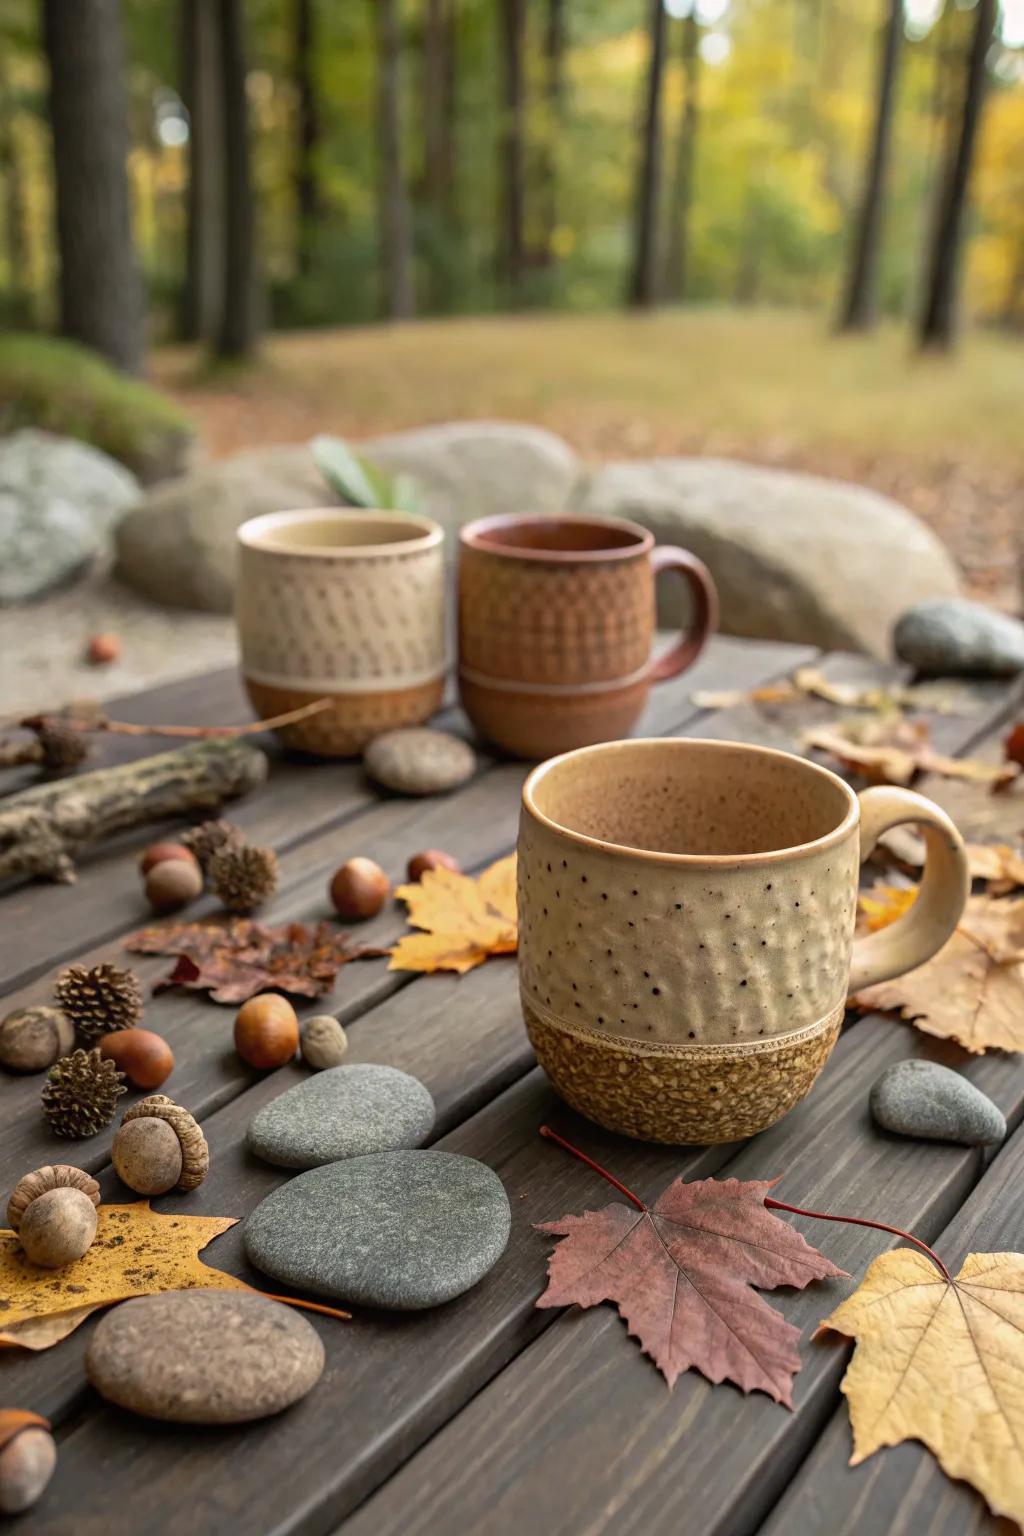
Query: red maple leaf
x=681, y=1273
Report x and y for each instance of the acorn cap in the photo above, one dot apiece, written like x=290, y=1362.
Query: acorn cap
x=53, y=1176
x=195, y=1154
x=244, y=878
x=99, y=999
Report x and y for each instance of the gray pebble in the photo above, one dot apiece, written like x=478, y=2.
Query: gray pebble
x=419, y=761
x=204, y=1356
x=343, y=1112
x=920, y=1098
x=952, y=637
x=405, y=1230
x=323, y=1042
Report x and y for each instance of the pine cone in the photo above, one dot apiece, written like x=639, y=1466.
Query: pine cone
x=64, y=746
x=244, y=878
x=80, y=1094
x=211, y=838
x=100, y=1000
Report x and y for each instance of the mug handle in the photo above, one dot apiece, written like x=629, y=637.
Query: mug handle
x=666, y=557
x=945, y=886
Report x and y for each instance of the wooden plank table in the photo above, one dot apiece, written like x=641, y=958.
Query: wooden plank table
x=488, y=1415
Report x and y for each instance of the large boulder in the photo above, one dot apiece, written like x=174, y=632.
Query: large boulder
x=178, y=545
x=795, y=557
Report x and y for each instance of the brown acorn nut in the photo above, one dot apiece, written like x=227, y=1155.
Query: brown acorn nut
x=324, y=1042
x=147, y=1156
x=359, y=889
x=58, y=1227
x=144, y=1057
x=195, y=1154
x=28, y=1456
x=173, y=883
x=266, y=1031
x=103, y=649
x=31, y=1039
x=160, y=853
x=40, y=1181
x=431, y=858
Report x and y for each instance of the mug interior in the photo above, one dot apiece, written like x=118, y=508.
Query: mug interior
x=327, y=531
x=546, y=538
x=703, y=799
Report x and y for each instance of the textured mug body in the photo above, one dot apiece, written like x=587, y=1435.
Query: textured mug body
x=687, y=915
x=347, y=606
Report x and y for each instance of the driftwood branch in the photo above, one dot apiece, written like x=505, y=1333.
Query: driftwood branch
x=43, y=828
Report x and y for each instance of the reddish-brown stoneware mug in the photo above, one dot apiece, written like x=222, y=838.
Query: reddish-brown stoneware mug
x=556, y=621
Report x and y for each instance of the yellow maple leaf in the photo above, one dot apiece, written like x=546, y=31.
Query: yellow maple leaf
x=941, y=1361
x=465, y=920
x=883, y=904
x=136, y=1251
x=972, y=991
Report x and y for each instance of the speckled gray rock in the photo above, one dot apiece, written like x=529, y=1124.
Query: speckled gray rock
x=920, y=1098
x=419, y=761
x=343, y=1112
x=405, y=1230
x=953, y=637
x=204, y=1356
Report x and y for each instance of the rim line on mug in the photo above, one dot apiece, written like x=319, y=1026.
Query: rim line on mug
x=256, y=533
x=475, y=536
x=693, y=860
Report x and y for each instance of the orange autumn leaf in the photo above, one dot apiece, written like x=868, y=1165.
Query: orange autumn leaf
x=941, y=1360
x=464, y=920
x=883, y=904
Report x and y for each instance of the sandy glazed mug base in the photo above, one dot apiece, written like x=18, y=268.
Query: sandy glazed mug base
x=353, y=720
x=682, y=1095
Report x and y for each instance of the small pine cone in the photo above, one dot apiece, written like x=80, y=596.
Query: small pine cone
x=64, y=746
x=244, y=878
x=81, y=1093
x=211, y=838
x=99, y=1000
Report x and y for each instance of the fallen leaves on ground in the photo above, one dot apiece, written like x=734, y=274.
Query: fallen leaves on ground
x=938, y=698
x=972, y=991
x=681, y=1273
x=892, y=750
x=1013, y=744
x=999, y=865
x=941, y=1361
x=465, y=920
x=883, y=904
x=234, y=960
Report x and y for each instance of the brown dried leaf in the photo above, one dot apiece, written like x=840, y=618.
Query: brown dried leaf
x=894, y=751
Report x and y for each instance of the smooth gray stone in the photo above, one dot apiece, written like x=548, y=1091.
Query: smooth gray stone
x=419, y=761
x=920, y=1098
x=952, y=637
x=405, y=1230
x=342, y=1112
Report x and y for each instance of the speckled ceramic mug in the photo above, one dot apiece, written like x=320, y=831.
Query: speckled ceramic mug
x=347, y=606
x=686, y=940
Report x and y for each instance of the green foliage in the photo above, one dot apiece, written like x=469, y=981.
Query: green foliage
x=64, y=388
x=360, y=483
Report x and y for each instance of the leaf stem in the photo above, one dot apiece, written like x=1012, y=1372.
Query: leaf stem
x=567, y=1146
x=307, y=1306
x=862, y=1221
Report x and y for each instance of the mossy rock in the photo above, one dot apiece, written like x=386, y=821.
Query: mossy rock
x=64, y=388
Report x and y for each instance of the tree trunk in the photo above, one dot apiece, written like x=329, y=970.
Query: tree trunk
x=858, y=312
x=512, y=238
x=201, y=78
x=938, y=316
x=101, y=301
x=436, y=84
x=555, y=42
x=307, y=135
x=238, y=329
x=643, y=281
x=678, y=253
x=395, y=222
x=18, y=288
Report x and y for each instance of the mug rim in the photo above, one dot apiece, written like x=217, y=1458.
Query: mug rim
x=257, y=532
x=475, y=535
x=693, y=860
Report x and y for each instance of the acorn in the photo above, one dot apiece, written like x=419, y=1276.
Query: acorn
x=103, y=649
x=147, y=1156
x=145, y=1058
x=58, y=1227
x=28, y=1456
x=359, y=889
x=324, y=1042
x=266, y=1031
x=138, y=1154
x=431, y=858
x=173, y=883
x=159, y=853
x=41, y=1182
x=32, y=1039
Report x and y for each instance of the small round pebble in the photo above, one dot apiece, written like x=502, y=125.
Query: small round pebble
x=31, y=1039
x=323, y=1042
x=404, y=1230
x=923, y=1099
x=419, y=761
x=343, y=1112
x=954, y=637
x=204, y=1356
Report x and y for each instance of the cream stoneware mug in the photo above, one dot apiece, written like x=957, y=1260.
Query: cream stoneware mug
x=347, y=606
x=686, y=938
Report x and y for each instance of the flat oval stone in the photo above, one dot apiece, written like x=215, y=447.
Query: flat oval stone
x=342, y=1112
x=921, y=1098
x=953, y=637
x=406, y=1230
x=419, y=761
x=204, y=1356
